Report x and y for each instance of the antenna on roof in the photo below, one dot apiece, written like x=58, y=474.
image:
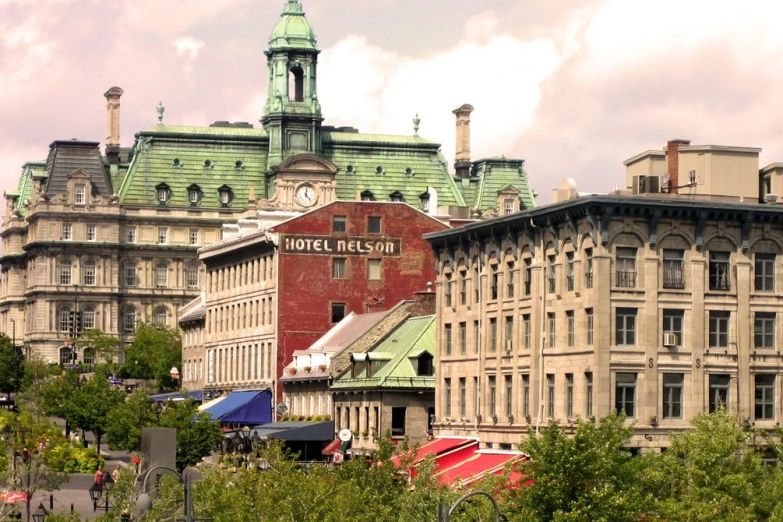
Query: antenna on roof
x=416, y=121
x=160, y=110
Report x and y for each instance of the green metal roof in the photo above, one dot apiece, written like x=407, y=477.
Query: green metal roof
x=408, y=164
x=208, y=132
x=208, y=158
x=491, y=175
x=292, y=31
x=415, y=335
x=24, y=190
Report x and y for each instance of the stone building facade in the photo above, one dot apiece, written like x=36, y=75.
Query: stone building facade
x=660, y=306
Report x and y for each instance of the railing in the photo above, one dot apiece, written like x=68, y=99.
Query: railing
x=626, y=279
x=673, y=278
x=720, y=281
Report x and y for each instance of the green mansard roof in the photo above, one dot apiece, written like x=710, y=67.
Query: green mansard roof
x=490, y=176
x=400, y=349
x=24, y=190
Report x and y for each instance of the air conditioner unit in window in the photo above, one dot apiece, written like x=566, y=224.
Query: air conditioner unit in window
x=670, y=340
x=509, y=345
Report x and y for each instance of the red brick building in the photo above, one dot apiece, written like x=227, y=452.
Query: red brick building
x=278, y=289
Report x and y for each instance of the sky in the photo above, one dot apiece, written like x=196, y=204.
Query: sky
x=573, y=87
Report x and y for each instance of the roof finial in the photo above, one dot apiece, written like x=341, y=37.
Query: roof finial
x=416, y=121
x=160, y=109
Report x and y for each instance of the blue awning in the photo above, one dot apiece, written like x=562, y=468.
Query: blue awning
x=243, y=407
x=196, y=395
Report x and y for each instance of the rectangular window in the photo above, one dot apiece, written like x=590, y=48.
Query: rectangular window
x=339, y=224
x=67, y=234
x=552, y=328
x=194, y=237
x=447, y=338
x=719, y=329
x=398, y=422
x=448, y=291
x=447, y=397
x=672, y=327
x=463, y=287
x=625, y=394
x=672, y=395
x=130, y=235
x=463, y=338
x=161, y=276
x=719, y=271
x=552, y=275
x=570, y=327
x=65, y=273
x=130, y=276
x=626, y=267
x=463, y=397
x=64, y=320
x=719, y=392
x=509, y=381
x=764, y=329
x=88, y=273
x=570, y=271
x=477, y=331
x=508, y=206
x=570, y=395
x=163, y=235
x=338, y=312
x=493, y=335
x=765, y=396
x=492, y=396
x=493, y=283
x=526, y=395
x=673, y=273
x=550, y=395
x=589, y=325
x=509, y=280
x=373, y=225
x=476, y=396
x=191, y=277
x=765, y=272
x=509, y=331
x=589, y=394
x=79, y=195
x=625, y=333
x=526, y=331
x=338, y=268
x=476, y=284
x=91, y=233
x=528, y=275
x=374, y=270
x=589, y=268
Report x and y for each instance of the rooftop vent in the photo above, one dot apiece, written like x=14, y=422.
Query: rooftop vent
x=771, y=198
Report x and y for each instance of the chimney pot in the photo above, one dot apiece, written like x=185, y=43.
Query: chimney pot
x=113, y=124
x=673, y=163
x=462, y=155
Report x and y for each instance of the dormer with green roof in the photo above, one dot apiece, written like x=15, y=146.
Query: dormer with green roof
x=292, y=115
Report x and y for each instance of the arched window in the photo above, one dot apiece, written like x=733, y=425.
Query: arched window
x=129, y=318
x=89, y=273
x=130, y=275
x=161, y=316
x=161, y=275
x=296, y=84
x=64, y=319
x=88, y=318
x=192, y=276
x=88, y=357
x=67, y=356
x=65, y=272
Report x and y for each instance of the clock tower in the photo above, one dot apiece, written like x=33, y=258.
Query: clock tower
x=292, y=114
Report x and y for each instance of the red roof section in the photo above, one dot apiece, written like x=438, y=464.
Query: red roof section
x=435, y=447
x=475, y=467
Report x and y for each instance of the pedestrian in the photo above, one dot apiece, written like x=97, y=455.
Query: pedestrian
x=99, y=476
x=115, y=474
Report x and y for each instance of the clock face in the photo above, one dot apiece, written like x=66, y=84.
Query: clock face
x=305, y=194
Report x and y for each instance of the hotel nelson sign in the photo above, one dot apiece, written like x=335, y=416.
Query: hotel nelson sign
x=343, y=246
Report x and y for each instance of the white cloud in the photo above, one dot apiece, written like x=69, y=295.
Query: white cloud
x=188, y=47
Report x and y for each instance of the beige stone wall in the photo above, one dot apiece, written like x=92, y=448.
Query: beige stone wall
x=569, y=357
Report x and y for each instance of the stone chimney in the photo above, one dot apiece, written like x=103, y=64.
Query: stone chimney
x=425, y=302
x=673, y=163
x=113, y=125
x=462, y=156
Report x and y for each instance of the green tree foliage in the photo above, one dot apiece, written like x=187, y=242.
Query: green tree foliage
x=11, y=366
x=155, y=350
x=106, y=347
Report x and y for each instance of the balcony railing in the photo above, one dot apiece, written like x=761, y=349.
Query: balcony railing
x=673, y=279
x=626, y=279
x=720, y=281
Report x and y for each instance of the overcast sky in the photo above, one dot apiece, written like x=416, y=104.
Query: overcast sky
x=574, y=87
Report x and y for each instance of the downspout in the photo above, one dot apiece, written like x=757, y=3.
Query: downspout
x=478, y=342
x=542, y=339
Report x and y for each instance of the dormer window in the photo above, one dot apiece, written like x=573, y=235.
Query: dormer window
x=425, y=366
x=409, y=172
x=367, y=195
x=239, y=165
x=226, y=195
x=397, y=196
x=163, y=193
x=379, y=171
x=425, y=201
x=208, y=164
x=176, y=163
x=194, y=194
x=350, y=170
x=79, y=194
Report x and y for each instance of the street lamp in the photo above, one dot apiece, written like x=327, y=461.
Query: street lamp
x=40, y=514
x=96, y=491
x=144, y=502
x=445, y=512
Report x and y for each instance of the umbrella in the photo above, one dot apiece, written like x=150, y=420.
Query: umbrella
x=13, y=497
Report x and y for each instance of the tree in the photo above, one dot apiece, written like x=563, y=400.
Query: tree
x=155, y=350
x=11, y=366
x=106, y=346
x=589, y=476
x=127, y=419
x=90, y=405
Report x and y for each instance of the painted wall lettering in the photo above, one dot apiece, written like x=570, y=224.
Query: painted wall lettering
x=350, y=246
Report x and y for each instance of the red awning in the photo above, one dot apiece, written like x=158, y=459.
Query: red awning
x=437, y=446
x=332, y=447
x=474, y=467
x=13, y=497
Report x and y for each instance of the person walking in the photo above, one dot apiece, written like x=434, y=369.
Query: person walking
x=99, y=476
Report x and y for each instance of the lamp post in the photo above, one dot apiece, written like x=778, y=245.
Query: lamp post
x=40, y=514
x=445, y=512
x=174, y=374
x=144, y=502
x=96, y=491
